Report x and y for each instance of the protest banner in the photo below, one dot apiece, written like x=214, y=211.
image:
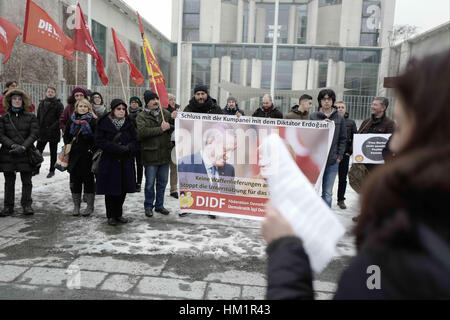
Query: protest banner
x=223, y=170
x=368, y=148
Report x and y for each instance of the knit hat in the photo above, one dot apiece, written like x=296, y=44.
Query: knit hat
x=136, y=99
x=201, y=87
x=149, y=95
x=231, y=99
x=80, y=89
x=117, y=102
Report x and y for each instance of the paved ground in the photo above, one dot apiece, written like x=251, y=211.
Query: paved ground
x=53, y=255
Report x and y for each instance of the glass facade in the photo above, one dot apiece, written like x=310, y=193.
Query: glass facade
x=323, y=3
x=99, y=37
x=370, y=23
x=191, y=20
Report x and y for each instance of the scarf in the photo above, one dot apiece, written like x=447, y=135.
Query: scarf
x=268, y=110
x=81, y=122
x=99, y=109
x=118, y=123
x=201, y=107
x=16, y=110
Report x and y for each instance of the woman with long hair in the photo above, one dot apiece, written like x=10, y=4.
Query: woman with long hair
x=80, y=130
x=404, y=228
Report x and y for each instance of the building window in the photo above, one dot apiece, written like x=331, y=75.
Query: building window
x=191, y=20
x=283, y=77
x=302, y=23
x=326, y=54
x=201, y=51
x=370, y=23
x=324, y=3
x=361, y=78
x=221, y=51
x=323, y=75
x=251, y=53
x=99, y=37
x=201, y=72
x=236, y=71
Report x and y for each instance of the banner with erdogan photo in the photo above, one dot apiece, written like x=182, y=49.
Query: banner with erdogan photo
x=221, y=165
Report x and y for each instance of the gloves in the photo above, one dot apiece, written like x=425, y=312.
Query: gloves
x=123, y=149
x=16, y=150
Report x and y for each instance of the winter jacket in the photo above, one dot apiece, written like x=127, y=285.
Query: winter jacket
x=232, y=112
x=405, y=273
x=156, y=145
x=296, y=114
x=382, y=125
x=274, y=113
x=27, y=124
x=351, y=131
x=82, y=150
x=48, y=115
x=210, y=106
x=171, y=110
x=132, y=114
x=340, y=135
x=65, y=116
x=116, y=172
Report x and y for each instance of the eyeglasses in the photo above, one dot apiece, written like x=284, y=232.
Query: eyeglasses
x=121, y=109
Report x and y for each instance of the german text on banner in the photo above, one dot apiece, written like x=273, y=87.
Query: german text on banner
x=368, y=148
x=155, y=74
x=223, y=168
x=84, y=43
x=8, y=35
x=123, y=57
x=42, y=31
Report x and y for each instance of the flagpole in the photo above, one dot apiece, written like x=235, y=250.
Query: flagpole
x=156, y=89
x=76, y=69
x=121, y=80
x=21, y=63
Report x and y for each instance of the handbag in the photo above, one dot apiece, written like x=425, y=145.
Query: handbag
x=34, y=155
x=62, y=162
x=97, y=157
x=356, y=175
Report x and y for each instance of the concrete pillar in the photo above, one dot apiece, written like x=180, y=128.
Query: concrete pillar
x=175, y=19
x=186, y=73
x=243, y=72
x=350, y=25
x=387, y=22
x=240, y=21
x=251, y=21
x=332, y=73
x=313, y=13
x=293, y=25
x=225, y=75
x=256, y=81
x=210, y=16
x=261, y=16
x=340, y=78
x=299, y=74
x=215, y=71
x=313, y=70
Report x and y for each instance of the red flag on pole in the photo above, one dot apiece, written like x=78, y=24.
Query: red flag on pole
x=122, y=56
x=84, y=43
x=42, y=31
x=8, y=35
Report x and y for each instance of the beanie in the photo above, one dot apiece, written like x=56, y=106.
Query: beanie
x=149, y=95
x=117, y=102
x=80, y=89
x=136, y=99
x=201, y=87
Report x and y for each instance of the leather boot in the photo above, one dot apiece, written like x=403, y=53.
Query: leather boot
x=90, y=197
x=76, y=197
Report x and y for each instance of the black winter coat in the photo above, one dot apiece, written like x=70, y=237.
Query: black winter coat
x=232, y=112
x=48, y=115
x=274, y=113
x=27, y=125
x=351, y=131
x=210, y=106
x=340, y=135
x=116, y=173
x=83, y=148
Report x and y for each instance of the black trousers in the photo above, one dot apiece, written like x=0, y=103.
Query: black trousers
x=53, y=152
x=27, y=186
x=343, y=171
x=114, y=205
x=139, y=167
x=78, y=180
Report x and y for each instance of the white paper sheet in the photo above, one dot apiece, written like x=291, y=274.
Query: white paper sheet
x=294, y=196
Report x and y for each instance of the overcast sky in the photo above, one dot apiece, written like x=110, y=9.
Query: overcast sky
x=426, y=14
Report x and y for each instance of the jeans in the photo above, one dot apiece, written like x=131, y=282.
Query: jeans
x=329, y=177
x=53, y=150
x=27, y=186
x=343, y=171
x=160, y=174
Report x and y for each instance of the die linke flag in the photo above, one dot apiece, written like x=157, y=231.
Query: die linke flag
x=84, y=43
x=122, y=56
x=8, y=35
x=154, y=72
x=42, y=31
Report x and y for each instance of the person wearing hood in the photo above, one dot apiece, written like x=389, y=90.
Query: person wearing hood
x=403, y=234
x=80, y=133
x=232, y=108
x=116, y=136
x=9, y=86
x=98, y=104
x=133, y=111
x=268, y=110
x=78, y=94
x=48, y=114
x=301, y=111
x=201, y=102
x=344, y=165
x=19, y=129
x=327, y=100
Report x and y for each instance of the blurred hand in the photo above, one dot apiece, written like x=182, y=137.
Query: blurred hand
x=238, y=115
x=328, y=120
x=275, y=226
x=174, y=115
x=339, y=160
x=17, y=149
x=165, y=126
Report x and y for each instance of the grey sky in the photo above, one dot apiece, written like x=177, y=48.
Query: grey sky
x=426, y=14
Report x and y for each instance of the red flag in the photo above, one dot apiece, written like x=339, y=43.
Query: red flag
x=122, y=56
x=8, y=35
x=42, y=31
x=84, y=43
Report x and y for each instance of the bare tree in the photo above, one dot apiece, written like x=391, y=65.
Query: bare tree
x=403, y=32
